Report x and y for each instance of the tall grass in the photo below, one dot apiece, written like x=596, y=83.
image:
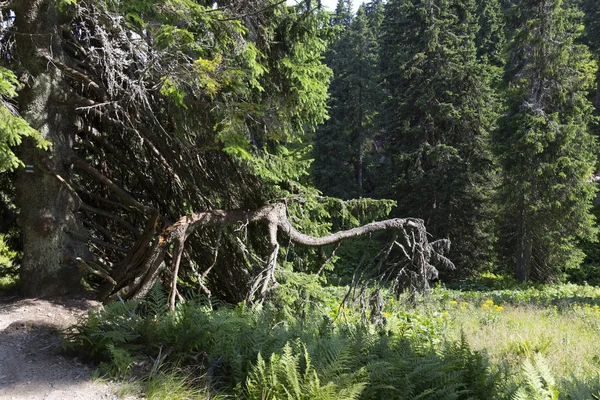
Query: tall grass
x=561, y=323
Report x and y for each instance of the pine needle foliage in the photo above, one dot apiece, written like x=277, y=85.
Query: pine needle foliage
x=13, y=128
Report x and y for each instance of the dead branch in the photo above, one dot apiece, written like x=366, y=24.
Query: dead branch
x=78, y=75
x=176, y=260
x=114, y=217
x=274, y=216
x=79, y=163
x=98, y=271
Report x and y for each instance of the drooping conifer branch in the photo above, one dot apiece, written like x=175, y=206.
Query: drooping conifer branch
x=419, y=254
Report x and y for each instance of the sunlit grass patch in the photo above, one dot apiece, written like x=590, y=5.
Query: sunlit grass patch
x=172, y=386
x=561, y=322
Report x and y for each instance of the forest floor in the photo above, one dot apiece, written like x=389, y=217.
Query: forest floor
x=31, y=364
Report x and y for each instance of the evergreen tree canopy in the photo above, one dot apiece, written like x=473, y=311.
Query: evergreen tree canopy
x=155, y=109
x=344, y=144
x=490, y=39
x=438, y=114
x=544, y=144
x=591, y=37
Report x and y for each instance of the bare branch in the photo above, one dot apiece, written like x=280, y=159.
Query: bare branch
x=419, y=259
x=176, y=260
x=98, y=271
x=80, y=76
x=110, y=184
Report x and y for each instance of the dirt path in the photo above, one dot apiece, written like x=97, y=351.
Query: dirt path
x=31, y=366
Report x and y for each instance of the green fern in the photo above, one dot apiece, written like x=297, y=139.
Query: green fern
x=537, y=381
x=223, y=344
x=120, y=359
x=156, y=301
x=292, y=376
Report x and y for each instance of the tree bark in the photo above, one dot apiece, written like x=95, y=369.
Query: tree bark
x=597, y=98
x=274, y=216
x=524, y=247
x=51, y=233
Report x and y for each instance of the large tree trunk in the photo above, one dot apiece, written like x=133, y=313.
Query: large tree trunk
x=597, y=98
x=52, y=238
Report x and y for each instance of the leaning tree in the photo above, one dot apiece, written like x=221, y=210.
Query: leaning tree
x=176, y=149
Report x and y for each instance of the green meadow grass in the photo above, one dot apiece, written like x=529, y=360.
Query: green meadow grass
x=509, y=326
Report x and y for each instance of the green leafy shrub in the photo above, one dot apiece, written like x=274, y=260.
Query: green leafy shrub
x=538, y=295
x=7, y=257
x=8, y=269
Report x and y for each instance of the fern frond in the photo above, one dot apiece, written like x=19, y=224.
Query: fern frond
x=291, y=376
x=156, y=301
x=543, y=369
x=537, y=381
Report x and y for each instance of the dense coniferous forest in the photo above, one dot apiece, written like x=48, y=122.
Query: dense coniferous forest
x=460, y=121
x=280, y=201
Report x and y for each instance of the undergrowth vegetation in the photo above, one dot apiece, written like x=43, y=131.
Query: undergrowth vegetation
x=536, y=343
x=8, y=269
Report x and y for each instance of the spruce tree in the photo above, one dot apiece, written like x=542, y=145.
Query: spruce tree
x=543, y=143
x=591, y=37
x=343, y=145
x=438, y=115
x=490, y=39
x=343, y=13
x=166, y=106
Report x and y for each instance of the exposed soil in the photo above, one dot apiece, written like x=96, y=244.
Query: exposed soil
x=31, y=364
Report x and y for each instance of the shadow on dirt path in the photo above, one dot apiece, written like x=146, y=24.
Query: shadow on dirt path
x=31, y=365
